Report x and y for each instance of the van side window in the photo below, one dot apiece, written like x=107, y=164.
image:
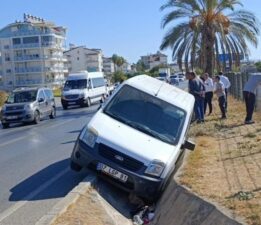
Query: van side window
x=48, y=94
x=98, y=82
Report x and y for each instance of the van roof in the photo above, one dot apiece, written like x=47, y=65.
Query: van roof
x=162, y=90
x=84, y=75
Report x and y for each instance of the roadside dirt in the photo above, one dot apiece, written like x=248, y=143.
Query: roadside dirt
x=226, y=165
x=88, y=210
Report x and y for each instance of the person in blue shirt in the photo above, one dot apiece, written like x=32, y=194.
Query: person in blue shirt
x=249, y=93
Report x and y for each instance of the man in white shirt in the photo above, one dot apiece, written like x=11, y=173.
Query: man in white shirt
x=226, y=83
x=220, y=92
x=209, y=87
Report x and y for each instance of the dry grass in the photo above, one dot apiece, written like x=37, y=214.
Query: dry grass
x=226, y=165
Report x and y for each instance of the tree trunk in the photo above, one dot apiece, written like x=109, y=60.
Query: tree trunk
x=209, y=41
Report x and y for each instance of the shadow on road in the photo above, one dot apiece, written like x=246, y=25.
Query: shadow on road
x=42, y=184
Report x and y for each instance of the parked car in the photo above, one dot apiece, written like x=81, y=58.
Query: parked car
x=137, y=136
x=181, y=77
x=28, y=105
x=174, y=80
x=83, y=89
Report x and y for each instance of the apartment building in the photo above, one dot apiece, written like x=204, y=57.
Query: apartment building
x=108, y=66
x=31, y=53
x=82, y=58
x=153, y=60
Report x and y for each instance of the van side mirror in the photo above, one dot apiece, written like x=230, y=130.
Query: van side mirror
x=189, y=144
x=40, y=100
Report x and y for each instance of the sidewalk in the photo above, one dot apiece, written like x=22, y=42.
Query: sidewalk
x=226, y=165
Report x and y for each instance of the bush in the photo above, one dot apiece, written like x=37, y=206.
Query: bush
x=119, y=77
x=57, y=92
x=3, y=97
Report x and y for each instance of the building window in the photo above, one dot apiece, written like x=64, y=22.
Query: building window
x=30, y=40
x=78, y=58
x=16, y=41
x=8, y=71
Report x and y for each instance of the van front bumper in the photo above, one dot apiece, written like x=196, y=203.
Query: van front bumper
x=21, y=117
x=137, y=182
x=79, y=101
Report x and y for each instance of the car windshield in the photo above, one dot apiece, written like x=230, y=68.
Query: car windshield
x=22, y=96
x=75, y=84
x=147, y=114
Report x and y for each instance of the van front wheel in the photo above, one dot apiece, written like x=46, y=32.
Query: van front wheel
x=88, y=102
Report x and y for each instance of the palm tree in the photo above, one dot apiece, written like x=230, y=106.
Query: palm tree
x=118, y=61
x=204, y=31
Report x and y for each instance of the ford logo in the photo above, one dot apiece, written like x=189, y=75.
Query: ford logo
x=120, y=158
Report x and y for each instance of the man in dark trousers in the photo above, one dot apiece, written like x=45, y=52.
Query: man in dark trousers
x=197, y=89
x=249, y=93
x=209, y=87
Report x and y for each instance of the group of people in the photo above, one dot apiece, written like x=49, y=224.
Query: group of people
x=204, y=87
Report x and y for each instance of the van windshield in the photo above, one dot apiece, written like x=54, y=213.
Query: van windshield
x=147, y=113
x=75, y=84
x=22, y=96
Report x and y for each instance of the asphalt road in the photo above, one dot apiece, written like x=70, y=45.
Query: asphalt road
x=34, y=165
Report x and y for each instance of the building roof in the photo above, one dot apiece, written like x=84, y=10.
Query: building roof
x=96, y=50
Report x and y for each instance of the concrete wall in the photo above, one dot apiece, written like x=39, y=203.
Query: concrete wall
x=238, y=81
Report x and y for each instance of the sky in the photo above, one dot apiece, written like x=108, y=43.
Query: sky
x=129, y=28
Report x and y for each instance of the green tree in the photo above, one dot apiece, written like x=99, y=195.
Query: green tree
x=204, y=30
x=140, y=66
x=119, y=76
x=117, y=61
x=258, y=66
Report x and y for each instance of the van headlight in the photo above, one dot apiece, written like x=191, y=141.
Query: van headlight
x=89, y=136
x=155, y=168
x=28, y=107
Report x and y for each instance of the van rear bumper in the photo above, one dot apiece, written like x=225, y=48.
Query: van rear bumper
x=137, y=182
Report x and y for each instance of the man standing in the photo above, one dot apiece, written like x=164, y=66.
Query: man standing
x=209, y=87
x=249, y=93
x=220, y=92
x=226, y=83
x=196, y=88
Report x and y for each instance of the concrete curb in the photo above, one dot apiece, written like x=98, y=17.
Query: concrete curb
x=69, y=199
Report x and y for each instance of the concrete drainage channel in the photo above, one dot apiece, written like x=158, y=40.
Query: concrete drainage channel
x=177, y=206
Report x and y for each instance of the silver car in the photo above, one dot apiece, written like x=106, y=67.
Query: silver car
x=27, y=105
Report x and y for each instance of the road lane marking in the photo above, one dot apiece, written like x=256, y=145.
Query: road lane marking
x=12, y=141
x=31, y=131
x=8, y=212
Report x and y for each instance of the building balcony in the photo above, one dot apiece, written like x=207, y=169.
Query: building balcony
x=36, y=69
x=52, y=45
x=57, y=69
x=35, y=57
x=22, y=46
x=28, y=82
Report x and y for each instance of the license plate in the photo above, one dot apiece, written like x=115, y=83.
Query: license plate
x=112, y=172
x=71, y=103
x=11, y=117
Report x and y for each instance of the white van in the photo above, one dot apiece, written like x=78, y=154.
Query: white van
x=137, y=136
x=83, y=88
